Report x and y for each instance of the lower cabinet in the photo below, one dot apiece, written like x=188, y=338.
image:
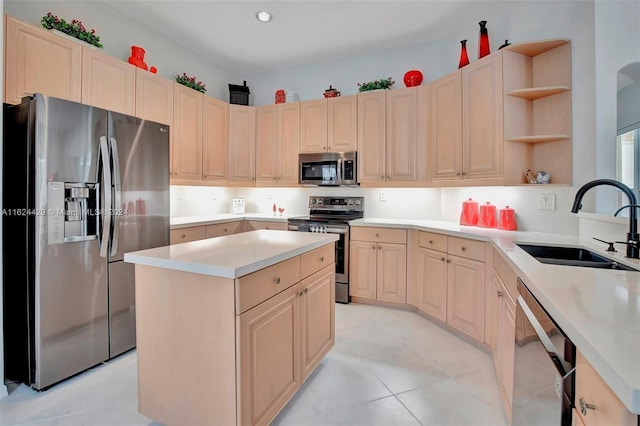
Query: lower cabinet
x=221, y=229
x=253, y=225
x=378, y=264
x=185, y=235
x=448, y=281
x=194, y=233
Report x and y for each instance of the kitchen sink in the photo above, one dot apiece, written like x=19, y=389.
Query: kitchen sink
x=572, y=256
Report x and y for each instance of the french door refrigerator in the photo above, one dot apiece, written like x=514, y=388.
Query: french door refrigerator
x=81, y=187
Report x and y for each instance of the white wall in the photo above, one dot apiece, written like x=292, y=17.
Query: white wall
x=118, y=33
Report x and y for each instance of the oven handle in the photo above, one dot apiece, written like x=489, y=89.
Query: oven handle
x=562, y=366
x=337, y=230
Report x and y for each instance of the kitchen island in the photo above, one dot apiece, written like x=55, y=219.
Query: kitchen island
x=229, y=328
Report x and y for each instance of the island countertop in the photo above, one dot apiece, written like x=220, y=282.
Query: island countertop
x=231, y=256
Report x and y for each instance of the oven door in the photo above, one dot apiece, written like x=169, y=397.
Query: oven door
x=319, y=172
x=544, y=367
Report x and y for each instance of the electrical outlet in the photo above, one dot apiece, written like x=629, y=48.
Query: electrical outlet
x=269, y=196
x=179, y=194
x=383, y=196
x=546, y=201
x=214, y=195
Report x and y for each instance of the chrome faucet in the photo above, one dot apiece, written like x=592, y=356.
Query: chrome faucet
x=633, y=239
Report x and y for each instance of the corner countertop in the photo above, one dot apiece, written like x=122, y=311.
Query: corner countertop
x=210, y=219
x=231, y=256
x=598, y=309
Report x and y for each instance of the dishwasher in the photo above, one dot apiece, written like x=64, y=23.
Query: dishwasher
x=544, y=366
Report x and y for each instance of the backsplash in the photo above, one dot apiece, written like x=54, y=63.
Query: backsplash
x=401, y=203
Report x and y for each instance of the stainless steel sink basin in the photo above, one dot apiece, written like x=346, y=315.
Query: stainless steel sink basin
x=572, y=256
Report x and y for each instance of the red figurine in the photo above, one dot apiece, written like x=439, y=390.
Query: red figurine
x=137, y=57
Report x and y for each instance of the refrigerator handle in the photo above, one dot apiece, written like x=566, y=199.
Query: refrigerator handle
x=106, y=189
x=117, y=194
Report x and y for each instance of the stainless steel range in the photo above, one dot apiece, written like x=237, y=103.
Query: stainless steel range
x=332, y=215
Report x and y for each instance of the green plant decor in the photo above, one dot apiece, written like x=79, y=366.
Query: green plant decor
x=191, y=82
x=74, y=29
x=383, y=83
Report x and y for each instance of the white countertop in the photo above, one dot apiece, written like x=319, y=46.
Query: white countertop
x=598, y=309
x=231, y=256
x=186, y=221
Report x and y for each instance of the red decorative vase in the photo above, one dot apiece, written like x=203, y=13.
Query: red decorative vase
x=280, y=97
x=464, y=59
x=483, y=43
x=412, y=78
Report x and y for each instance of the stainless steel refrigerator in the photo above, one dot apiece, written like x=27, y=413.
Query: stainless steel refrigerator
x=81, y=187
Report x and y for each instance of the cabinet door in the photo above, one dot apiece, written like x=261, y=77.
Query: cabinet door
x=342, y=123
x=185, y=235
x=392, y=272
x=465, y=296
x=372, y=135
x=187, y=133
x=268, y=356
x=222, y=229
x=242, y=139
x=317, y=318
x=430, y=283
x=215, y=139
x=288, y=143
x=482, y=114
x=108, y=82
x=154, y=98
x=267, y=144
x=313, y=126
x=362, y=279
x=402, y=134
x=38, y=61
x=446, y=128
x=253, y=225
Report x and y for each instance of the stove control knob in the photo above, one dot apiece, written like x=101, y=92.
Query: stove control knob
x=319, y=200
x=350, y=202
x=313, y=201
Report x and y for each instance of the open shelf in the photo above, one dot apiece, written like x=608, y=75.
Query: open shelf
x=535, y=48
x=537, y=92
x=538, y=138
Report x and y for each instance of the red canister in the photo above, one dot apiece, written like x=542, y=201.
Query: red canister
x=469, y=215
x=507, y=219
x=487, y=217
x=280, y=96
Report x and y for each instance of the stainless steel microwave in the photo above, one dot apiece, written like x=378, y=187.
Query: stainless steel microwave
x=330, y=169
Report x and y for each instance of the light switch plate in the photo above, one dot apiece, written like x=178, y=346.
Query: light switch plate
x=546, y=201
x=383, y=196
x=179, y=194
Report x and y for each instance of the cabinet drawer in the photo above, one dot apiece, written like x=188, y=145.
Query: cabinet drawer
x=252, y=225
x=220, y=229
x=432, y=241
x=463, y=247
x=184, y=235
x=380, y=235
x=317, y=259
x=257, y=287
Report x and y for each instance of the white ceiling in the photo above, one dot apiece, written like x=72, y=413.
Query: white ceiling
x=302, y=31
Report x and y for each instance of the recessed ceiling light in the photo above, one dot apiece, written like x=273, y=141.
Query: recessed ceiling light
x=263, y=16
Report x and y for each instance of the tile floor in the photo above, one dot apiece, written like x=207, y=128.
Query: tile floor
x=388, y=367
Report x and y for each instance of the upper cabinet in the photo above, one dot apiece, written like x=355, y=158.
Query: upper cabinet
x=38, y=61
x=393, y=152
x=537, y=113
x=187, y=133
x=242, y=138
x=108, y=82
x=328, y=125
x=466, y=140
x=215, y=140
x=154, y=97
x=277, y=144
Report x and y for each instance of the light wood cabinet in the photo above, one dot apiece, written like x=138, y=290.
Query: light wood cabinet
x=215, y=140
x=277, y=144
x=430, y=283
x=537, y=110
x=467, y=123
x=342, y=130
x=253, y=225
x=185, y=235
x=38, y=61
x=107, y=82
x=242, y=139
x=154, y=98
x=221, y=229
x=187, y=133
x=465, y=296
x=328, y=125
x=400, y=154
x=591, y=389
x=378, y=262
x=313, y=126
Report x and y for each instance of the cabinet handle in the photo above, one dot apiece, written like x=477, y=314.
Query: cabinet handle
x=373, y=247
x=430, y=241
x=306, y=289
x=322, y=259
x=377, y=235
x=464, y=173
x=225, y=230
x=499, y=293
x=277, y=280
x=463, y=248
x=448, y=260
x=457, y=174
x=379, y=247
x=584, y=406
x=382, y=177
x=300, y=294
x=442, y=259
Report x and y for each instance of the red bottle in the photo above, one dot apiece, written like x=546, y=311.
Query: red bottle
x=464, y=59
x=483, y=42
